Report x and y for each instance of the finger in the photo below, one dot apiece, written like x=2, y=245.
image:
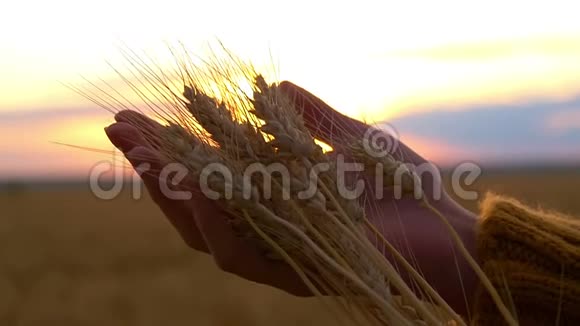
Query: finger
x=148, y=165
x=322, y=120
x=237, y=256
x=149, y=129
x=125, y=136
x=137, y=119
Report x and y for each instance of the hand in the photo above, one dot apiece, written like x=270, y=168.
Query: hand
x=413, y=229
x=199, y=221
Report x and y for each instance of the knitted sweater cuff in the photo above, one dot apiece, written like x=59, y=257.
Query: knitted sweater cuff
x=533, y=259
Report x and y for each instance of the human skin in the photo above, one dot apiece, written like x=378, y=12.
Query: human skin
x=415, y=230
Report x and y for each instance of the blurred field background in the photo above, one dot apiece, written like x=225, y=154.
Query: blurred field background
x=68, y=258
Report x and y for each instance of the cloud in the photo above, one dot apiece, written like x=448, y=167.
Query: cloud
x=507, y=133
x=498, y=49
x=46, y=115
x=438, y=150
x=564, y=121
x=27, y=147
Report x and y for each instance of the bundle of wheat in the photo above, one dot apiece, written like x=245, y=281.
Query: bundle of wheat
x=244, y=142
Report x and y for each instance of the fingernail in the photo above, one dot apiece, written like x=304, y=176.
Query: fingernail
x=107, y=129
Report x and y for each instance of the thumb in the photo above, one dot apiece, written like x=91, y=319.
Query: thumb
x=323, y=121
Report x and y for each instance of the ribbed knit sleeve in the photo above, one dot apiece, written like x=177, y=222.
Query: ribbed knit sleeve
x=533, y=259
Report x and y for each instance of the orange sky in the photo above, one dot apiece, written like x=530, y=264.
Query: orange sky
x=370, y=59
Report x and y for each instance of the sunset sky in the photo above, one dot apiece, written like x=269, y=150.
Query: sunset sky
x=495, y=81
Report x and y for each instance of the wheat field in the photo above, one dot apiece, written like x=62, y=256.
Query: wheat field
x=68, y=258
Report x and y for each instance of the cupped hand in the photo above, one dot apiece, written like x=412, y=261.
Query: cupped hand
x=199, y=221
x=407, y=224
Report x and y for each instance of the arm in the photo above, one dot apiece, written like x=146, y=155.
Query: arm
x=532, y=256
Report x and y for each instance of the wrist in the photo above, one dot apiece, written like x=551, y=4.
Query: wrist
x=465, y=224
